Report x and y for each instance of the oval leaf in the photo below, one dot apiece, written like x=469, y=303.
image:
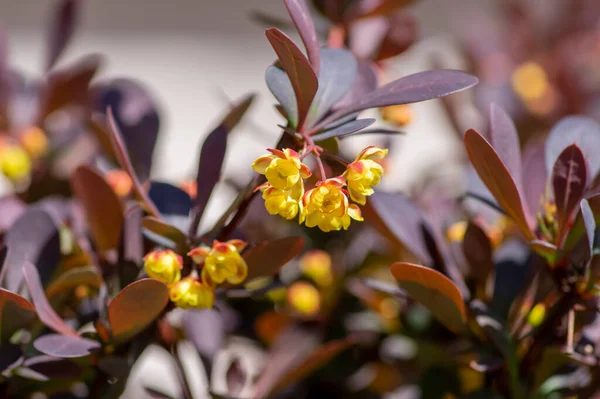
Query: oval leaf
x=135, y=307
x=569, y=178
x=102, y=207
x=534, y=173
x=170, y=200
x=280, y=86
x=266, y=258
x=65, y=346
x=163, y=229
x=495, y=176
x=434, y=291
x=298, y=69
x=16, y=312
x=43, y=308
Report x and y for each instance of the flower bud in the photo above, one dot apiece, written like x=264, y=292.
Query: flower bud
x=222, y=262
x=14, y=162
x=34, y=141
x=191, y=293
x=316, y=264
x=304, y=298
x=401, y=114
x=164, y=265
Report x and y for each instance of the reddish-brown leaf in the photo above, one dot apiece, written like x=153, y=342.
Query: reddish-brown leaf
x=301, y=74
x=497, y=179
x=102, y=207
x=135, y=307
x=434, y=291
x=266, y=258
x=15, y=313
x=61, y=30
x=306, y=28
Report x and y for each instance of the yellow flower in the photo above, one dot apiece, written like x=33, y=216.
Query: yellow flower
x=304, y=298
x=191, y=293
x=364, y=173
x=316, y=264
x=285, y=203
x=327, y=206
x=283, y=169
x=14, y=162
x=222, y=262
x=163, y=265
x=401, y=114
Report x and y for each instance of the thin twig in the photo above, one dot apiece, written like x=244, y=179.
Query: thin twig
x=185, y=386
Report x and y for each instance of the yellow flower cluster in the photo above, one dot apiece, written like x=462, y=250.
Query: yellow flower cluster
x=220, y=263
x=327, y=205
x=17, y=155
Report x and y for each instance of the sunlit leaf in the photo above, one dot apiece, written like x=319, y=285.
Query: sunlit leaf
x=266, y=258
x=42, y=307
x=578, y=229
x=410, y=89
x=365, y=82
x=534, y=174
x=206, y=329
x=569, y=178
x=135, y=307
x=102, y=207
x=16, y=312
x=163, y=229
x=64, y=346
x=434, y=291
x=298, y=69
x=280, y=86
x=61, y=30
x=306, y=28
x=336, y=77
x=497, y=179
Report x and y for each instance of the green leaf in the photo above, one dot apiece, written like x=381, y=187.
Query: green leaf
x=434, y=291
x=135, y=307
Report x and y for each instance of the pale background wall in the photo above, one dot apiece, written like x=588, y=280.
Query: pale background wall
x=190, y=52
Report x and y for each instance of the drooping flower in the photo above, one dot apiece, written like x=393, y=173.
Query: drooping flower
x=282, y=168
x=222, y=262
x=364, y=173
x=285, y=203
x=327, y=206
x=163, y=265
x=191, y=293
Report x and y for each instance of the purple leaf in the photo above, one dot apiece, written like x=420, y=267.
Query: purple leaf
x=64, y=346
x=16, y=312
x=345, y=129
x=569, y=177
x=43, y=308
x=534, y=174
x=53, y=367
x=32, y=238
x=136, y=114
x=420, y=86
x=212, y=156
x=306, y=28
x=11, y=207
x=364, y=82
x=478, y=254
x=132, y=241
x=336, y=77
x=301, y=74
x=590, y=225
x=206, y=329
x=578, y=229
x=400, y=220
x=103, y=208
x=61, y=30
x=280, y=86
x=505, y=140
x=580, y=130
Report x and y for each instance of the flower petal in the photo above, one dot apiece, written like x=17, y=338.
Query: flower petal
x=261, y=163
x=355, y=213
x=198, y=254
